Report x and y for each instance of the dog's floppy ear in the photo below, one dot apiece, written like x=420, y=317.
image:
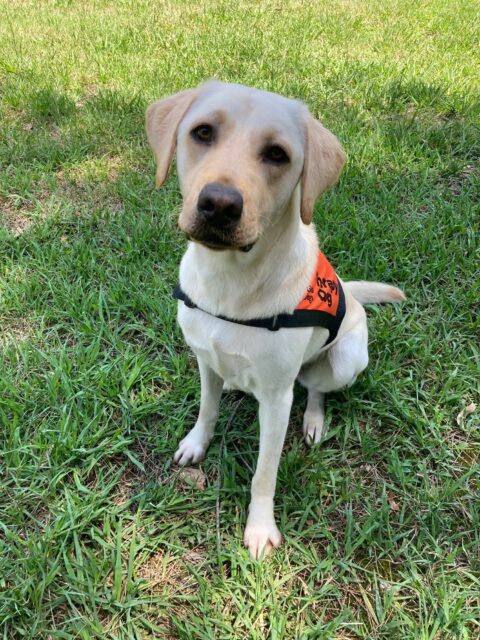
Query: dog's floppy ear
x=324, y=159
x=163, y=118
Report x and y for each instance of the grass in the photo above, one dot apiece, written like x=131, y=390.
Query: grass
x=100, y=536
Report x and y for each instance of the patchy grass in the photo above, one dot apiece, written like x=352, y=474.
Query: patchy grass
x=100, y=537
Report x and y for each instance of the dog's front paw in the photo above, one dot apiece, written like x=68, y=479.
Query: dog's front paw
x=190, y=451
x=261, y=538
x=313, y=427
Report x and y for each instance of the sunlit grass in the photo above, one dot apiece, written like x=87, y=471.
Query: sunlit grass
x=100, y=536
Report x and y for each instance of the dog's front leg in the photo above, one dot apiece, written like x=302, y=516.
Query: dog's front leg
x=193, y=447
x=261, y=533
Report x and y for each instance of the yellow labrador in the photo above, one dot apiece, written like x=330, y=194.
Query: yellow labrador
x=251, y=165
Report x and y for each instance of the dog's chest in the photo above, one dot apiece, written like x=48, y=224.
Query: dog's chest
x=214, y=341
x=251, y=359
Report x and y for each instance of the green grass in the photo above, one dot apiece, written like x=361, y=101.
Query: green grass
x=100, y=537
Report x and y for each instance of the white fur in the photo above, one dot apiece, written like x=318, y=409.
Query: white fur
x=269, y=279
x=261, y=362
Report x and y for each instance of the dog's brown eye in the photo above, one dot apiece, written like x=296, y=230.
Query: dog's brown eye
x=203, y=133
x=275, y=155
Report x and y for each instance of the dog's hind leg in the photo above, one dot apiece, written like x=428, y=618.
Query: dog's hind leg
x=193, y=447
x=333, y=370
x=314, y=416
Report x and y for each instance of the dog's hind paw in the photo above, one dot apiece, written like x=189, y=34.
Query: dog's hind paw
x=313, y=427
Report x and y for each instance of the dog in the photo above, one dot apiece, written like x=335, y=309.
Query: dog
x=251, y=165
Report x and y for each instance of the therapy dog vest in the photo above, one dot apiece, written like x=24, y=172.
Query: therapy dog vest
x=323, y=304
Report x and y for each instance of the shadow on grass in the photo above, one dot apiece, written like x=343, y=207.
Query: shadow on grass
x=418, y=136
x=416, y=115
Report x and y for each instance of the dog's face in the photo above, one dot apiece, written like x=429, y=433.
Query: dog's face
x=239, y=157
x=240, y=154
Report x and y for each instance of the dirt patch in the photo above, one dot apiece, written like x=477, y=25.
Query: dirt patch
x=165, y=573
x=15, y=218
x=129, y=481
x=14, y=330
x=458, y=181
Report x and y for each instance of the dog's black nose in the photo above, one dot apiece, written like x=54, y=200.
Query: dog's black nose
x=219, y=204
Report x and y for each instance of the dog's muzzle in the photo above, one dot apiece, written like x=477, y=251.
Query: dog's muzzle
x=219, y=211
x=219, y=206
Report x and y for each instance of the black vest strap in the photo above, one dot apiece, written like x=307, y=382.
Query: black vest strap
x=299, y=318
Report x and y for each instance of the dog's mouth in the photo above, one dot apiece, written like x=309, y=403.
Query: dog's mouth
x=216, y=243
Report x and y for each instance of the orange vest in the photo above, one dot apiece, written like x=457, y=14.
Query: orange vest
x=323, y=304
x=323, y=292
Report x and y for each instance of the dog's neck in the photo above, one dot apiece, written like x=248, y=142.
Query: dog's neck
x=269, y=279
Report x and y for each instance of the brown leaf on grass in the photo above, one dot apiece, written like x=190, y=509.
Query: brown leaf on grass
x=190, y=476
x=466, y=411
x=394, y=506
x=193, y=557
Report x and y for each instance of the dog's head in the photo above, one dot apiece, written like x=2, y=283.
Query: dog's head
x=240, y=154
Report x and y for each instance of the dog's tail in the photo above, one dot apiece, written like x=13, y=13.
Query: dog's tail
x=372, y=292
